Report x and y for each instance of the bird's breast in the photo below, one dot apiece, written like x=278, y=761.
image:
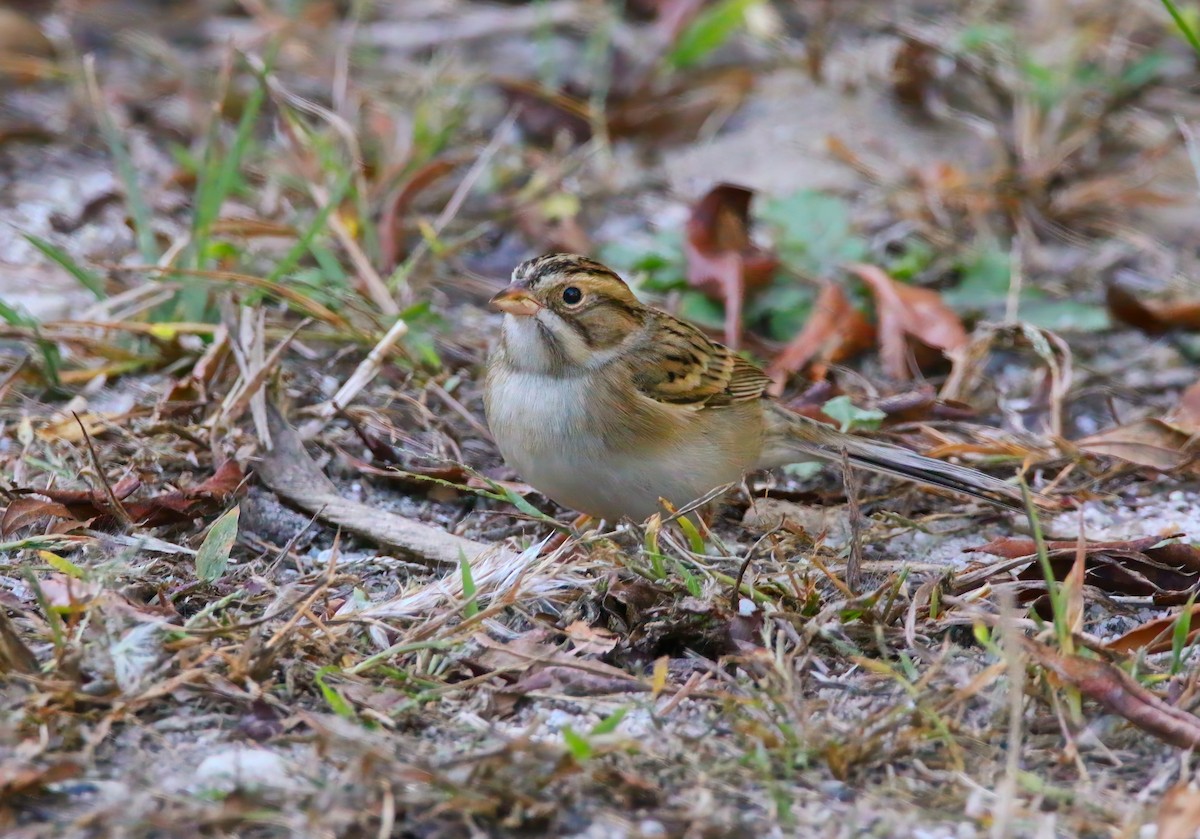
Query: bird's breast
x=610, y=454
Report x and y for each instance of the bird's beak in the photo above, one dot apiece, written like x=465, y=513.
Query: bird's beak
x=515, y=300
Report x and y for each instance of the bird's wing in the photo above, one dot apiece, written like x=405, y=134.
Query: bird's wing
x=681, y=366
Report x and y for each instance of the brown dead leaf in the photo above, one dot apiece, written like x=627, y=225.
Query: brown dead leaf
x=1148, y=567
x=1012, y=548
x=1185, y=416
x=1179, y=813
x=17, y=777
x=1149, y=442
x=15, y=657
x=722, y=261
x=591, y=640
x=909, y=318
x=1155, y=636
x=174, y=507
x=26, y=510
x=25, y=51
x=1118, y=693
x=1152, y=317
x=391, y=232
x=835, y=332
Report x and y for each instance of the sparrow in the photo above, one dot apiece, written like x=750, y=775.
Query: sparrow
x=607, y=405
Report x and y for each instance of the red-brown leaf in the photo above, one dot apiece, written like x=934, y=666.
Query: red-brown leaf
x=1118, y=693
x=722, y=261
x=835, y=332
x=1152, y=317
x=906, y=314
x=1155, y=636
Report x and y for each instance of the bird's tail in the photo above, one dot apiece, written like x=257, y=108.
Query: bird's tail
x=795, y=438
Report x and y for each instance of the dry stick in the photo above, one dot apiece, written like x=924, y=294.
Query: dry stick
x=118, y=507
x=460, y=409
x=290, y=472
x=365, y=373
x=854, y=562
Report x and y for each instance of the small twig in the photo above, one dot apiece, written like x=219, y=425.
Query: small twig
x=118, y=507
x=854, y=561
x=366, y=371
x=460, y=409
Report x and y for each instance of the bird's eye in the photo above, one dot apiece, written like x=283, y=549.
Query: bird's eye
x=571, y=295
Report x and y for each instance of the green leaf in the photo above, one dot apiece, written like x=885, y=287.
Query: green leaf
x=51, y=358
x=1064, y=315
x=785, y=306
x=1179, y=635
x=1186, y=28
x=813, y=231
x=695, y=540
x=850, y=416
x=213, y=557
x=709, y=30
x=468, y=583
x=576, y=744
x=336, y=702
x=61, y=563
x=88, y=279
x=699, y=308
x=609, y=724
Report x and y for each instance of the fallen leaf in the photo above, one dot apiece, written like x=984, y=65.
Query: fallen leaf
x=683, y=110
x=15, y=656
x=391, y=230
x=722, y=261
x=1117, y=692
x=907, y=315
x=167, y=508
x=19, y=778
x=1155, y=636
x=1148, y=442
x=1148, y=567
x=67, y=594
x=835, y=332
x=28, y=509
x=1179, y=813
x=1012, y=548
x=1152, y=317
x=590, y=640
x=1185, y=416
x=213, y=557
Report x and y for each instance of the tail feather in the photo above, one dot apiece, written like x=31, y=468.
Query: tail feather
x=802, y=438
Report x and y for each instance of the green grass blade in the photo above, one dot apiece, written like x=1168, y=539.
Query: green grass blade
x=126, y=171
x=88, y=279
x=1184, y=27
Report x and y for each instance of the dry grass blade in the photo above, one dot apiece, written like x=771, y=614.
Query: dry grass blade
x=289, y=471
x=498, y=576
x=365, y=373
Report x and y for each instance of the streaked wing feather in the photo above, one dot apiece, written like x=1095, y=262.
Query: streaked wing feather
x=683, y=367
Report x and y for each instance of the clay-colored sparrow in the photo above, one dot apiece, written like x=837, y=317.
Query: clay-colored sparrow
x=607, y=405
